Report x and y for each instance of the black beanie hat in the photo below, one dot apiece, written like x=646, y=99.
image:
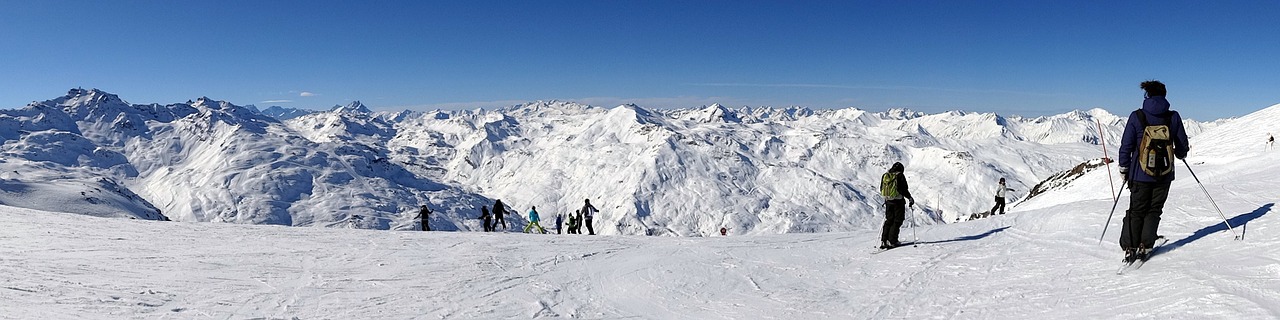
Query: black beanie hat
x=1153, y=88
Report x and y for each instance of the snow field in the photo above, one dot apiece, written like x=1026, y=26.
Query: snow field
x=1044, y=263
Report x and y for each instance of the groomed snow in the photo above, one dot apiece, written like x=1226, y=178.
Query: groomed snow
x=1044, y=263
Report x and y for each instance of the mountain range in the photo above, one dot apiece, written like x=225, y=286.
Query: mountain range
x=675, y=172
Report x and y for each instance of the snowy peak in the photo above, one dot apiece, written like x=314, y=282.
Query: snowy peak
x=92, y=96
x=354, y=107
x=907, y=114
x=553, y=108
x=282, y=113
x=714, y=113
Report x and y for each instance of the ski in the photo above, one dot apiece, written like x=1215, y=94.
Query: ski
x=880, y=250
x=1130, y=266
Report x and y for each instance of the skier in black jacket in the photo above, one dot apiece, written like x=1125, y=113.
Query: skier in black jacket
x=498, y=211
x=893, y=187
x=424, y=214
x=487, y=218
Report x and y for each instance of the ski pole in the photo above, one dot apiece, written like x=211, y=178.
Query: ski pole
x=1113, y=210
x=1215, y=204
x=1105, y=160
x=914, y=222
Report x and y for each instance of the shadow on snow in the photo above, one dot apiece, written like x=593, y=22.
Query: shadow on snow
x=968, y=238
x=1238, y=222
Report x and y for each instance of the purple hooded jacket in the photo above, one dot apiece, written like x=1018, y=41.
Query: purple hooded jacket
x=1155, y=109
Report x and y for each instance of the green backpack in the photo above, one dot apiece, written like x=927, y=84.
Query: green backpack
x=889, y=186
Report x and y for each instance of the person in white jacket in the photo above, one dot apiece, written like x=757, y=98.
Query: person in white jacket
x=999, y=198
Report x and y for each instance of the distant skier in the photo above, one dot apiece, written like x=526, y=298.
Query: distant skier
x=1000, y=197
x=588, y=212
x=424, y=214
x=724, y=231
x=498, y=211
x=559, y=222
x=1153, y=136
x=1271, y=142
x=575, y=222
x=533, y=221
x=486, y=218
x=893, y=187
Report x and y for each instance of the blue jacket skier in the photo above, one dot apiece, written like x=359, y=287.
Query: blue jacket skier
x=533, y=221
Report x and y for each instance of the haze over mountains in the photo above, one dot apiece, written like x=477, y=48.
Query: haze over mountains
x=681, y=172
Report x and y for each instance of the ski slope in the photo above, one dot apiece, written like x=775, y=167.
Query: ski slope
x=1041, y=260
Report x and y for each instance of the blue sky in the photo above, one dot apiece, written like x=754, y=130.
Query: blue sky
x=1012, y=57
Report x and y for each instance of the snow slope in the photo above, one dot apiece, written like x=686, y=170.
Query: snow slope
x=1043, y=262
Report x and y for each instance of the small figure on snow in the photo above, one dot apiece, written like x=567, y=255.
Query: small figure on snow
x=498, y=211
x=573, y=222
x=1271, y=142
x=424, y=214
x=1000, y=198
x=724, y=231
x=559, y=222
x=587, y=212
x=1152, y=136
x=893, y=187
x=533, y=221
x=486, y=218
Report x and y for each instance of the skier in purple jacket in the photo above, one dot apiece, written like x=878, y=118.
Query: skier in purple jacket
x=1148, y=190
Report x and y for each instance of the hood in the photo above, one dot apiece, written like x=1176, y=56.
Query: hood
x=1155, y=106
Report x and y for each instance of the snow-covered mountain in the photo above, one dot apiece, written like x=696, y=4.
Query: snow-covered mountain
x=282, y=113
x=683, y=172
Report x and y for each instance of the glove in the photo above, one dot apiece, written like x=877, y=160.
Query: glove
x=912, y=203
x=1124, y=172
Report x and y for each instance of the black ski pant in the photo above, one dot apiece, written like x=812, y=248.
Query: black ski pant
x=999, y=205
x=590, y=230
x=1146, y=203
x=894, y=214
x=488, y=224
x=498, y=218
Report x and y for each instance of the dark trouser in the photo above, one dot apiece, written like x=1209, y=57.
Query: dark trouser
x=497, y=220
x=895, y=212
x=1146, y=203
x=999, y=205
x=425, y=226
x=488, y=225
x=558, y=224
x=590, y=230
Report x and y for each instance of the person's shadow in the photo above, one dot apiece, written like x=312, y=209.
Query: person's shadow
x=1238, y=222
x=968, y=238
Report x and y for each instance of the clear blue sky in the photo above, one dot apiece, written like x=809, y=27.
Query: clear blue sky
x=1218, y=58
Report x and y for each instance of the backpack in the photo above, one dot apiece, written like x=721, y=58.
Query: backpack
x=889, y=186
x=1155, y=152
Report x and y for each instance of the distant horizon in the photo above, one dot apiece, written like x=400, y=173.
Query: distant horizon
x=1009, y=57
x=375, y=108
